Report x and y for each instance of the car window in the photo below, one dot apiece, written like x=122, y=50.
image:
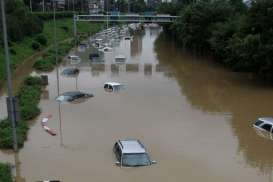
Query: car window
x=258, y=123
x=106, y=86
x=139, y=159
x=266, y=127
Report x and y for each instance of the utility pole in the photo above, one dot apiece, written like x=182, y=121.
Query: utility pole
x=11, y=100
x=128, y=6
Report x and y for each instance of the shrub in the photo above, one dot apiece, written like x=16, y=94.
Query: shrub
x=30, y=80
x=44, y=64
x=29, y=97
x=35, y=45
x=12, y=51
x=6, y=140
x=5, y=173
x=65, y=28
x=29, y=111
x=41, y=39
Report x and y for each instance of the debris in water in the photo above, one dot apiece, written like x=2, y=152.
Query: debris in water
x=45, y=127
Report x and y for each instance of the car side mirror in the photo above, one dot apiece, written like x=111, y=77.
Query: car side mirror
x=153, y=162
x=117, y=163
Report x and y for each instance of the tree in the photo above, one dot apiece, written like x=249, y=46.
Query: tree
x=18, y=16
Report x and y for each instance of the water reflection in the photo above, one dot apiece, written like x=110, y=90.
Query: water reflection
x=136, y=44
x=213, y=89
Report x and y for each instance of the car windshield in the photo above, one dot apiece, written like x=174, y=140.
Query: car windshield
x=140, y=159
x=258, y=123
x=62, y=98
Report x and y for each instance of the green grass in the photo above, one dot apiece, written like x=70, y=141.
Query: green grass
x=5, y=173
x=22, y=50
x=47, y=62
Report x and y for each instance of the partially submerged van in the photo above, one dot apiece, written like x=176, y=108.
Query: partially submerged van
x=112, y=86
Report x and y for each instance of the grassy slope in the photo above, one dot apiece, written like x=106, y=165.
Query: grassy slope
x=23, y=48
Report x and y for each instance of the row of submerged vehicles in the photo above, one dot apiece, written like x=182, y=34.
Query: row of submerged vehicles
x=128, y=152
x=104, y=42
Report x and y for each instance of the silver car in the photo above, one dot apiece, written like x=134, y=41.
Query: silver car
x=131, y=153
x=264, y=127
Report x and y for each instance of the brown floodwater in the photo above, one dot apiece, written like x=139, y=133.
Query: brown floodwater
x=193, y=115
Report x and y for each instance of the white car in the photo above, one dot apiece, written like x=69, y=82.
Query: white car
x=74, y=59
x=131, y=153
x=112, y=86
x=264, y=127
x=120, y=59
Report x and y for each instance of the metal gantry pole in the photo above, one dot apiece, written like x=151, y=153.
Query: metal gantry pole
x=9, y=83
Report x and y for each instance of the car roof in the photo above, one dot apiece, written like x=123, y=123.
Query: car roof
x=74, y=56
x=267, y=120
x=120, y=56
x=112, y=83
x=71, y=93
x=70, y=69
x=131, y=146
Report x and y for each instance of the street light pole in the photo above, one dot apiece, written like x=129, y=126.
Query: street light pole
x=75, y=24
x=43, y=6
x=128, y=6
x=30, y=5
x=56, y=46
x=9, y=83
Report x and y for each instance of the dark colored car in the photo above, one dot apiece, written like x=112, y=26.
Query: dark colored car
x=70, y=72
x=73, y=96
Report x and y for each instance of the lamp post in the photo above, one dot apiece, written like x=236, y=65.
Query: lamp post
x=30, y=5
x=43, y=5
x=128, y=6
x=56, y=46
x=10, y=99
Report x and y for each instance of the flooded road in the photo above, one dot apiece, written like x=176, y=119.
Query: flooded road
x=193, y=116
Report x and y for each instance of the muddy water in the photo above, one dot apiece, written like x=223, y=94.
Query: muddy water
x=192, y=115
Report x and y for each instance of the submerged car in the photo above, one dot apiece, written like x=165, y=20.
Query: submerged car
x=264, y=127
x=93, y=55
x=120, y=59
x=70, y=71
x=74, y=59
x=73, y=96
x=131, y=153
x=112, y=86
